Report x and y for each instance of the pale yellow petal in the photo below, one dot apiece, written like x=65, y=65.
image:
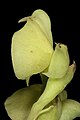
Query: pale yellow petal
x=19, y=104
x=71, y=110
x=42, y=18
x=31, y=51
x=59, y=63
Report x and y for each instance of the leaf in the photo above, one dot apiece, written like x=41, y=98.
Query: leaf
x=19, y=104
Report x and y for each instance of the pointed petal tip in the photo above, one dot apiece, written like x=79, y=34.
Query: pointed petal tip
x=24, y=19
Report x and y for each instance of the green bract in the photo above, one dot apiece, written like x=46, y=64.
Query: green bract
x=32, y=52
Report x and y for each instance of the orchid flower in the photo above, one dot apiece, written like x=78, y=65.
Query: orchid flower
x=32, y=45
x=32, y=52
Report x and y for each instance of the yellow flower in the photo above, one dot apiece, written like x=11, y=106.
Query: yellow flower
x=32, y=53
x=32, y=46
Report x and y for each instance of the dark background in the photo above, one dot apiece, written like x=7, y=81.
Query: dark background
x=65, y=24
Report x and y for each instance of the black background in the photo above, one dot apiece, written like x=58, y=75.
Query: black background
x=65, y=24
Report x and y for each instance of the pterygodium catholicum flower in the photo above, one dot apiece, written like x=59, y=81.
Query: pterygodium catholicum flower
x=32, y=52
x=32, y=46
